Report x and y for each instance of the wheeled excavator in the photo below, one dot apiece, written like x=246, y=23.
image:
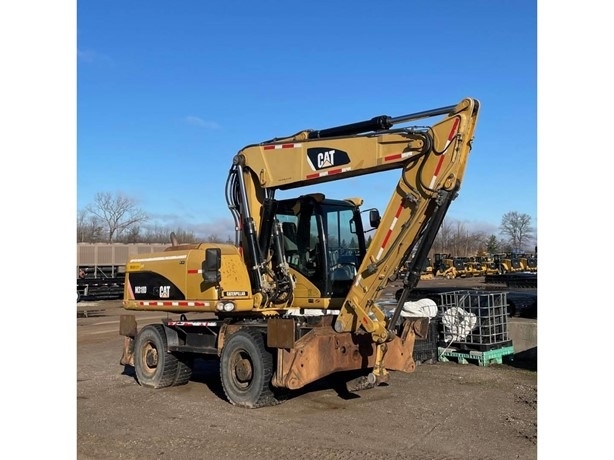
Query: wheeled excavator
x=295, y=298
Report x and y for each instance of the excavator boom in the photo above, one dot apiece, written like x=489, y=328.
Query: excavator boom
x=431, y=160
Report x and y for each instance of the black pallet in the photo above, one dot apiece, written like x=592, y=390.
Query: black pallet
x=425, y=350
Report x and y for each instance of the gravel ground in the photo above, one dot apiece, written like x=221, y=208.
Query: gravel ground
x=440, y=411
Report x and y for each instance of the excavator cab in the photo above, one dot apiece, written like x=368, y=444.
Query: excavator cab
x=324, y=244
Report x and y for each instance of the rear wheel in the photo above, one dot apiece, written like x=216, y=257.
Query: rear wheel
x=246, y=368
x=153, y=365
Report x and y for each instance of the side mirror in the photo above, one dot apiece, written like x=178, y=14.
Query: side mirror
x=374, y=218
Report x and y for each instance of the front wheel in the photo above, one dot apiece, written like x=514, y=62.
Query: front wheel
x=154, y=366
x=246, y=368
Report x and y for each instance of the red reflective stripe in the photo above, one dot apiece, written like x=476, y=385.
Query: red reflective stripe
x=192, y=271
x=396, y=156
x=396, y=216
x=454, y=128
x=386, y=239
x=192, y=323
x=325, y=173
x=280, y=146
x=172, y=304
x=450, y=137
x=439, y=163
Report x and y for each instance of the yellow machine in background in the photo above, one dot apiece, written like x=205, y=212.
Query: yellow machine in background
x=451, y=267
x=295, y=299
x=528, y=262
x=427, y=270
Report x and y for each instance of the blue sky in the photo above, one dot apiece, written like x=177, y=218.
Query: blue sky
x=169, y=92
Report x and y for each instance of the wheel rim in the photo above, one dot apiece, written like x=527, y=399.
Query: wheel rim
x=149, y=358
x=242, y=369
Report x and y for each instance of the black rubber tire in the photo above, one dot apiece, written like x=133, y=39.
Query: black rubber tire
x=184, y=371
x=153, y=365
x=246, y=368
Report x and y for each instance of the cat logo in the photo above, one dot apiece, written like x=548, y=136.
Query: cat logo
x=165, y=292
x=323, y=157
x=326, y=159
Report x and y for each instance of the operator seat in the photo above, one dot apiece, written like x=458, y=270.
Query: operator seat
x=343, y=273
x=342, y=278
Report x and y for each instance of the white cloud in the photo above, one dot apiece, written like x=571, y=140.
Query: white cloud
x=90, y=56
x=197, y=121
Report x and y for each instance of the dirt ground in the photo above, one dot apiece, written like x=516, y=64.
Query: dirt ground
x=442, y=411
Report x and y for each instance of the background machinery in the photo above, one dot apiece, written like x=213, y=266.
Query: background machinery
x=296, y=297
x=451, y=267
x=513, y=270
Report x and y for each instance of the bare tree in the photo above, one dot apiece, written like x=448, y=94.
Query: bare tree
x=130, y=235
x=455, y=238
x=214, y=238
x=156, y=234
x=117, y=212
x=460, y=238
x=89, y=228
x=443, y=238
x=517, y=228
